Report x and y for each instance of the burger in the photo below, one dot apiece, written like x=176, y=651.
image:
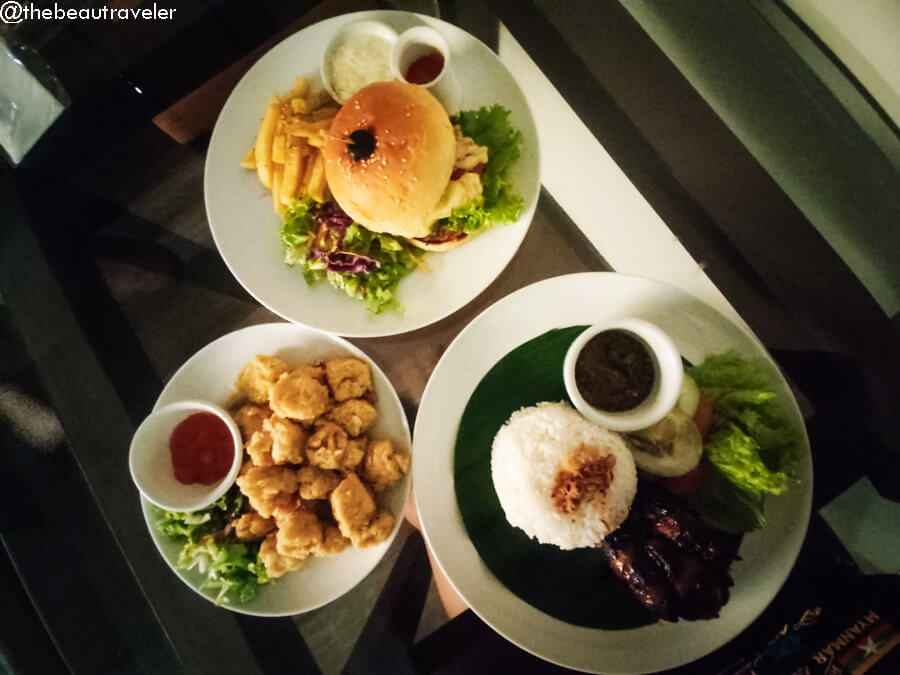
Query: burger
x=403, y=178
x=396, y=164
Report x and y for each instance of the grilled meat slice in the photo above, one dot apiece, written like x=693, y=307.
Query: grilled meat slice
x=675, y=565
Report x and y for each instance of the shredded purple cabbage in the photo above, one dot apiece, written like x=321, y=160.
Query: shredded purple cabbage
x=332, y=216
x=333, y=224
x=350, y=263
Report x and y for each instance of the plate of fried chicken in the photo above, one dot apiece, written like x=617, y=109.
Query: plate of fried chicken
x=320, y=493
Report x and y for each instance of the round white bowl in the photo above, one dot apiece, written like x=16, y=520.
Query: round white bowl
x=667, y=367
x=412, y=45
x=150, y=459
x=347, y=32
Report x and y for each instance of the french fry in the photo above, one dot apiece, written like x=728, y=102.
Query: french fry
x=278, y=148
x=277, y=177
x=316, y=141
x=300, y=88
x=249, y=161
x=307, y=129
x=308, y=169
x=326, y=113
x=316, y=187
x=290, y=182
x=263, y=149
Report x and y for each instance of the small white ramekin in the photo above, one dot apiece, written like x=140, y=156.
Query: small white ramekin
x=346, y=32
x=150, y=459
x=415, y=43
x=667, y=366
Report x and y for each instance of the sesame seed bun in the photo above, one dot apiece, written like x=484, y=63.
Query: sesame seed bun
x=395, y=183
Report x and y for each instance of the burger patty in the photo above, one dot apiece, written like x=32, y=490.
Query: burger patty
x=442, y=237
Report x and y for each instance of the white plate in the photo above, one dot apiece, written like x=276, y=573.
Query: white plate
x=245, y=228
x=209, y=374
x=698, y=330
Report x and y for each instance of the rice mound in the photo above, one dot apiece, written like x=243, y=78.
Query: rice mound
x=525, y=457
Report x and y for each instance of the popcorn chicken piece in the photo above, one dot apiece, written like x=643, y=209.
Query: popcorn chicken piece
x=286, y=505
x=259, y=447
x=348, y=378
x=252, y=526
x=356, y=514
x=384, y=465
x=276, y=564
x=250, y=418
x=268, y=487
x=299, y=396
x=288, y=440
x=330, y=448
x=257, y=378
x=354, y=415
x=299, y=534
x=316, y=483
x=316, y=370
x=334, y=542
x=376, y=531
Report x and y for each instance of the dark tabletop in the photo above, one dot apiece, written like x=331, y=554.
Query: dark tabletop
x=110, y=280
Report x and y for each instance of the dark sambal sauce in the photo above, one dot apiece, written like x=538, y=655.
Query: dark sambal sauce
x=202, y=449
x=614, y=371
x=425, y=68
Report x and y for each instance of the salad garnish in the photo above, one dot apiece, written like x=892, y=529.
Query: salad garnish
x=750, y=451
x=232, y=568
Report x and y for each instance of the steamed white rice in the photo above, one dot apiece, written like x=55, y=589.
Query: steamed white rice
x=525, y=459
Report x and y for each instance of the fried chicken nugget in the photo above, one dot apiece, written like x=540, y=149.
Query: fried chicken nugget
x=276, y=564
x=299, y=534
x=257, y=378
x=356, y=514
x=250, y=418
x=384, y=465
x=252, y=526
x=354, y=415
x=316, y=483
x=330, y=448
x=259, y=448
x=348, y=378
x=299, y=396
x=288, y=440
x=334, y=542
x=316, y=370
x=267, y=487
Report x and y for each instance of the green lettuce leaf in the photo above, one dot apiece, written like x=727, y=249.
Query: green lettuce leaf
x=751, y=449
x=737, y=456
x=232, y=568
x=501, y=203
x=376, y=289
x=725, y=506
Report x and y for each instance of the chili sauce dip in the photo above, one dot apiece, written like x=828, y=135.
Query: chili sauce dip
x=202, y=449
x=614, y=371
x=425, y=69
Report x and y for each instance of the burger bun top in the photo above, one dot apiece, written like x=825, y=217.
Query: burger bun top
x=389, y=157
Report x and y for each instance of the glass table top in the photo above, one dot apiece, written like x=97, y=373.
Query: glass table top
x=110, y=280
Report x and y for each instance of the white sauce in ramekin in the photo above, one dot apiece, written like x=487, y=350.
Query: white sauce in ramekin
x=357, y=61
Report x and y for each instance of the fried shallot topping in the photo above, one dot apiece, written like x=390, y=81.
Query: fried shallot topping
x=580, y=477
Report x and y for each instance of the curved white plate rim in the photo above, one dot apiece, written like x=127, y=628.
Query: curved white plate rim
x=294, y=335
x=277, y=286
x=759, y=575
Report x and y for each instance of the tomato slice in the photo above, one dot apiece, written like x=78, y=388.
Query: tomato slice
x=704, y=416
x=684, y=485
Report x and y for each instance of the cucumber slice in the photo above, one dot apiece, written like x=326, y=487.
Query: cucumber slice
x=671, y=447
x=689, y=397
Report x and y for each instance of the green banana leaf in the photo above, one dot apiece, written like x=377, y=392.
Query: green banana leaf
x=574, y=586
